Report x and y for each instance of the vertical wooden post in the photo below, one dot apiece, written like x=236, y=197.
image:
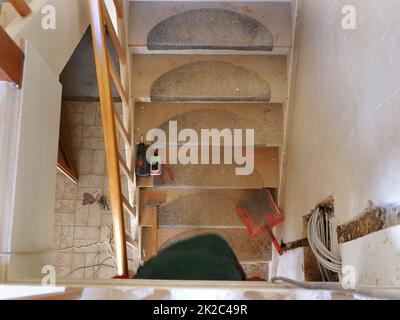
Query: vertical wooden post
x=110, y=139
x=11, y=59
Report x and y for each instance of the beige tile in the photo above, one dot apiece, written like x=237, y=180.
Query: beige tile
x=89, y=115
x=66, y=236
x=91, y=259
x=62, y=259
x=78, y=262
x=63, y=272
x=92, y=132
x=60, y=186
x=85, y=161
x=72, y=118
x=56, y=237
x=87, y=233
x=70, y=190
x=65, y=206
x=64, y=219
x=93, y=143
x=106, y=218
x=81, y=214
x=91, y=181
x=98, y=118
x=98, y=163
x=106, y=271
x=92, y=191
x=72, y=137
x=95, y=214
x=85, y=246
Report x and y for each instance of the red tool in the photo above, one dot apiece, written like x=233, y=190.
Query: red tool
x=171, y=177
x=263, y=223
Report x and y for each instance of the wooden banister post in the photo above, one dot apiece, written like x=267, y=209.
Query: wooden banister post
x=11, y=59
x=22, y=7
x=110, y=139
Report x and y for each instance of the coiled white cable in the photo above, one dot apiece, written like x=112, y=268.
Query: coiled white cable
x=317, y=241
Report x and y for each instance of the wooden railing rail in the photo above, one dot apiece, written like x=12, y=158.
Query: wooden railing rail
x=106, y=75
x=11, y=60
x=22, y=7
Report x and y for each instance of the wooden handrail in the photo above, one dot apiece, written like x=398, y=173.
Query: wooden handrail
x=22, y=7
x=109, y=129
x=11, y=59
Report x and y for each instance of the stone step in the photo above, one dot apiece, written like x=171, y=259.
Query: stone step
x=199, y=207
x=264, y=175
x=191, y=27
x=265, y=119
x=211, y=78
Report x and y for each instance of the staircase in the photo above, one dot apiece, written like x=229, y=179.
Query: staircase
x=209, y=65
x=201, y=65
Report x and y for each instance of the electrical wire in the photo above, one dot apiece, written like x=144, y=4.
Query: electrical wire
x=319, y=239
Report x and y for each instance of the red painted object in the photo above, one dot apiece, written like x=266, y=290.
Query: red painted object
x=170, y=175
x=263, y=224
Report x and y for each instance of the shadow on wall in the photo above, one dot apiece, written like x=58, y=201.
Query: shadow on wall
x=79, y=78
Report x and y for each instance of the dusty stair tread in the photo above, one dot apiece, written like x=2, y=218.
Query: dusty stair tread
x=256, y=269
x=196, y=207
x=265, y=174
x=265, y=119
x=211, y=78
x=246, y=248
x=247, y=26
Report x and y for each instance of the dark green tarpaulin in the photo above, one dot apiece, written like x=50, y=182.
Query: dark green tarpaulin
x=206, y=257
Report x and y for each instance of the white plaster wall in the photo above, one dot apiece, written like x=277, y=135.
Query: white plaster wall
x=29, y=136
x=9, y=125
x=55, y=46
x=34, y=195
x=345, y=138
x=376, y=258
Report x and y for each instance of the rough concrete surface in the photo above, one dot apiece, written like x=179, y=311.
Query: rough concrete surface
x=197, y=81
x=265, y=119
x=208, y=207
x=214, y=29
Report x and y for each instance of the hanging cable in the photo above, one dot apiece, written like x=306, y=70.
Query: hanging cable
x=319, y=237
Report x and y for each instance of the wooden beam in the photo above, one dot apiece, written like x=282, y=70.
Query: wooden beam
x=128, y=207
x=117, y=82
x=110, y=138
x=22, y=7
x=125, y=169
x=131, y=242
x=154, y=231
x=113, y=34
x=11, y=59
x=122, y=130
x=119, y=8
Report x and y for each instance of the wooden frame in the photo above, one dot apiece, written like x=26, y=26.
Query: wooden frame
x=22, y=7
x=11, y=59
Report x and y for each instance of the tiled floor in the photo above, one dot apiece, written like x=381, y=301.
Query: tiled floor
x=79, y=228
